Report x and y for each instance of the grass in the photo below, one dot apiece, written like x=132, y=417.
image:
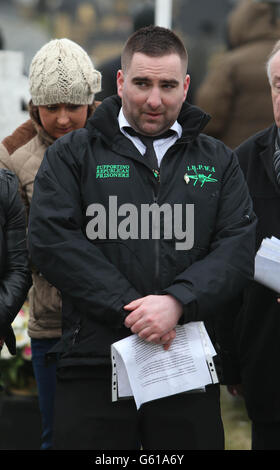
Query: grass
x=236, y=423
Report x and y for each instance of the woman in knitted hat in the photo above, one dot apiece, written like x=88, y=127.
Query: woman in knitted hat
x=63, y=83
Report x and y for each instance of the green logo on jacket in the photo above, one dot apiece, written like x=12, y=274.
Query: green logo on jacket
x=199, y=175
x=112, y=171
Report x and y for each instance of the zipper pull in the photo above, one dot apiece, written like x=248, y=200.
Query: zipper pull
x=76, y=332
x=157, y=175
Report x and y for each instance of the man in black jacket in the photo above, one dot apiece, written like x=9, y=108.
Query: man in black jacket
x=258, y=324
x=118, y=276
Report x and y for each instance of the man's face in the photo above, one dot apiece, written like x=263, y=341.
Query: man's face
x=153, y=90
x=275, y=87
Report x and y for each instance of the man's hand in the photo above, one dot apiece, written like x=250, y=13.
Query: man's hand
x=154, y=318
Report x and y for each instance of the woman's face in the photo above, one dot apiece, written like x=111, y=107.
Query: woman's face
x=59, y=119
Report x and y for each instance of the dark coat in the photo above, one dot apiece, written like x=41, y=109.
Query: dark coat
x=258, y=324
x=97, y=277
x=15, y=278
x=236, y=92
x=109, y=71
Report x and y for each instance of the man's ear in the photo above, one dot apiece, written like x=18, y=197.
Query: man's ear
x=120, y=82
x=186, y=85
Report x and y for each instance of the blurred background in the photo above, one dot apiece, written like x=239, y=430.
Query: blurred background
x=102, y=27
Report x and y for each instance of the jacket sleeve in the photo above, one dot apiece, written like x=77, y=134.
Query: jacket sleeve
x=7, y=162
x=16, y=280
x=60, y=250
x=208, y=285
x=229, y=324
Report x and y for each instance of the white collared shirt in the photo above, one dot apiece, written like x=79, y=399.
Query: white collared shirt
x=160, y=145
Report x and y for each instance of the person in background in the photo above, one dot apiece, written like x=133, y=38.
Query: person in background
x=15, y=277
x=257, y=326
x=63, y=83
x=112, y=285
x=235, y=91
x=144, y=16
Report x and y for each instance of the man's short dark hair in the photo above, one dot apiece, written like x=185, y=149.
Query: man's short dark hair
x=153, y=41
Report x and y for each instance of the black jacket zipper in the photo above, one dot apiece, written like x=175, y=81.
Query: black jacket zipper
x=75, y=334
x=156, y=184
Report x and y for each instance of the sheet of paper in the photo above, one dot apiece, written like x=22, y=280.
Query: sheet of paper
x=267, y=272
x=120, y=378
x=152, y=373
x=270, y=248
x=267, y=264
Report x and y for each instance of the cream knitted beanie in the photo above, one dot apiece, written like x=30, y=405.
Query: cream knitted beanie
x=62, y=72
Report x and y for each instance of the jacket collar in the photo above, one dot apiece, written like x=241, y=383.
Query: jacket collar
x=265, y=139
x=104, y=122
x=193, y=120
x=266, y=144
